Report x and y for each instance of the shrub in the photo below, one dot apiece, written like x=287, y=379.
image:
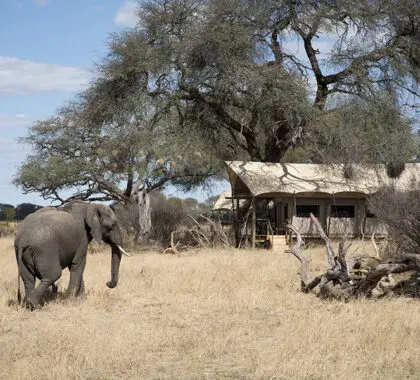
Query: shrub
x=167, y=215
x=400, y=211
x=8, y=228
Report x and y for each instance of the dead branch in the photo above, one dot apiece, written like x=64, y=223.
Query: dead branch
x=217, y=232
x=304, y=264
x=375, y=246
x=208, y=219
x=214, y=236
x=195, y=222
x=330, y=251
x=174, y=246
x=342, y=251
x=196, y=236
x=360, y=276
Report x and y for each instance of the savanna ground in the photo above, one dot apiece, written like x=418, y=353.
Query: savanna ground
x=224, y=314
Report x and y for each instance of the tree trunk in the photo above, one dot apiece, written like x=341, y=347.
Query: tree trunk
x=145, y=216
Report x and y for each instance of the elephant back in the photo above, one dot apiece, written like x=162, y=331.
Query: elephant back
x=46, y=224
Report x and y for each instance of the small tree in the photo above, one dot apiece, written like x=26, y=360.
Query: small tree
x=167, y=216
x=25, y=209
x=400, y=211
x=7, y=213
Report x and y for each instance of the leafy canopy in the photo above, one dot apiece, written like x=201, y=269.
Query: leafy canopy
x=198, y=82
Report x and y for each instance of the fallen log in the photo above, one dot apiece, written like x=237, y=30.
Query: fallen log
x=345, y=279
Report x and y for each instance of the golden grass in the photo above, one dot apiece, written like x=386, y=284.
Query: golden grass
x=223, y=314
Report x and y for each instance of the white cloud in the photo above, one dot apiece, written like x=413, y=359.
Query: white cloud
x=15, y=121
x=126, y=15
x=41, y=3
x=23, y=77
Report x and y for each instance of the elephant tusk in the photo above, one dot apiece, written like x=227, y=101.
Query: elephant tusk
x=122, y=251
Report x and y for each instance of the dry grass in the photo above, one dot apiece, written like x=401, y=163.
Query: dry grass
x=216, y=314
x=8, y=228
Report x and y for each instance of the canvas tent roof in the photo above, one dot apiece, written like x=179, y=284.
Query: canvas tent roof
x=222, y=203
x=258, y=178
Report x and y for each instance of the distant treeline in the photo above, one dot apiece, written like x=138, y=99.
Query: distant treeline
x=10, y=212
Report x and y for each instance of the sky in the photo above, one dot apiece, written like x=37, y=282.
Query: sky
x=48, y=50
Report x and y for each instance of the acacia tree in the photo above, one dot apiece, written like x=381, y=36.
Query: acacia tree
x=102, y=152
x=225, y=67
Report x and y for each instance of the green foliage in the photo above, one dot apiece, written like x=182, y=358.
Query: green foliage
x=360, y=131
x=25, y=209
x=400, y=211
x=7, y=213
x=190, y=205
x=111, y=160
x=221, y=66
x=168, y=215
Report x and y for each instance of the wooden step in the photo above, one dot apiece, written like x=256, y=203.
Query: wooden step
x=278, y=241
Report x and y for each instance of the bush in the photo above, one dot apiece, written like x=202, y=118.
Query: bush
x=7, y=212
x=167, y=215
x=129, y=221
x=400, y=211
x=24, y=209
x=8, y=228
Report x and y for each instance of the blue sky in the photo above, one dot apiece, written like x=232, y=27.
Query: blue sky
x=47, y=53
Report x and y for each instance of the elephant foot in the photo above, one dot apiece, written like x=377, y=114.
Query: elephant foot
x=54, y=289
x=71, y=293
x=31, y=305
x=111, y=284
x=50, y=295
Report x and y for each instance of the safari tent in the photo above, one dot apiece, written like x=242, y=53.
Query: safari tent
x=223, y=208
x=280, y=193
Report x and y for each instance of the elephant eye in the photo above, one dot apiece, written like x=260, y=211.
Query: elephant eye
x=109, y=226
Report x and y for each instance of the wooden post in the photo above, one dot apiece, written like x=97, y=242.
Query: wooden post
x=328, y=216
x=237, y=224
x=254, y=222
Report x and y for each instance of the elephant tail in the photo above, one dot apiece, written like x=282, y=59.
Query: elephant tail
x=19, y=253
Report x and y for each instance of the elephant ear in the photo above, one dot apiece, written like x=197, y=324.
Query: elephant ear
x=93, y=221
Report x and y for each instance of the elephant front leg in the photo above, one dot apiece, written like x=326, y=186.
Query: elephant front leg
x=76, y=284
x=82, y=288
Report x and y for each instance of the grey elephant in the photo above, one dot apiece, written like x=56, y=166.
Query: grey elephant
x=51, y=239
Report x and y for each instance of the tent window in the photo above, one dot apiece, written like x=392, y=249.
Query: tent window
x=303, y=211
x=342, y=211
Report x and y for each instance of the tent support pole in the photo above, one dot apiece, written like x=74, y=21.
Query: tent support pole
x=254, y=222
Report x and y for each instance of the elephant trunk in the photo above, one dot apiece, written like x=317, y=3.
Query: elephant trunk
x=115, y=266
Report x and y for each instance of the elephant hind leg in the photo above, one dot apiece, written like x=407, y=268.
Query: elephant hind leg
x=28, y=280
x=48, y=277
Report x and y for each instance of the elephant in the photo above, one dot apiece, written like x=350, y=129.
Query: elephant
x=52, y=239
